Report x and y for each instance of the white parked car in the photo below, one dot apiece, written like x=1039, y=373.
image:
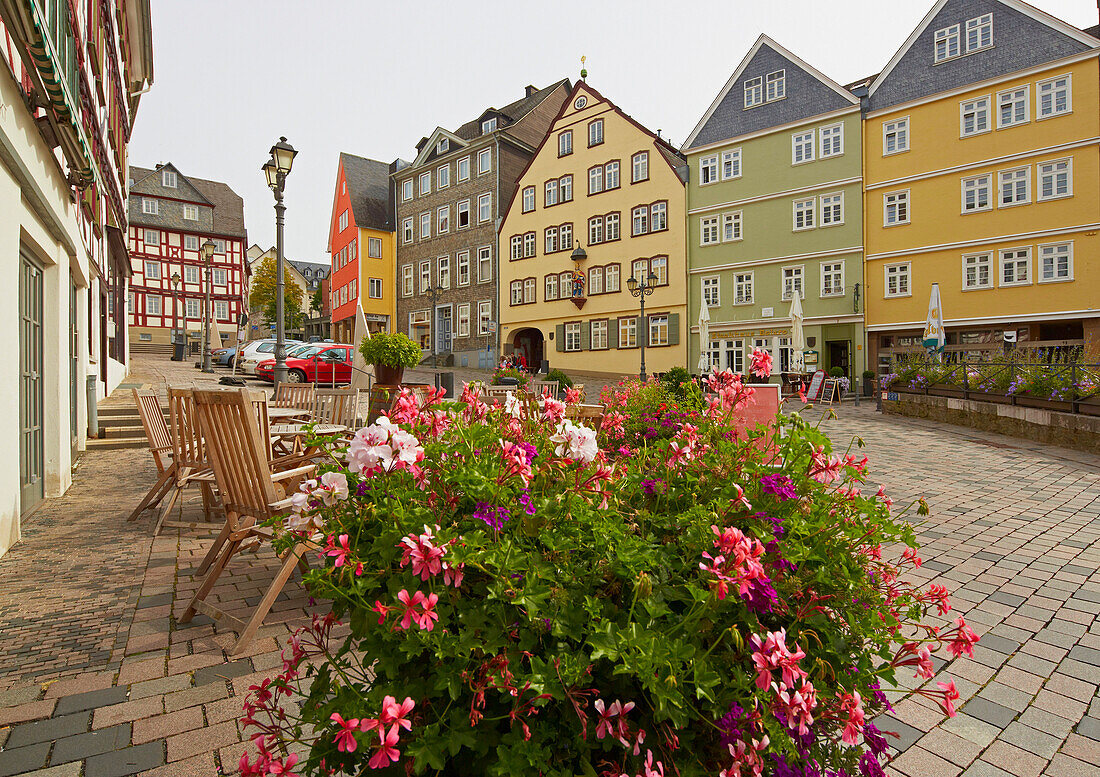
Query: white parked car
x=256, y=351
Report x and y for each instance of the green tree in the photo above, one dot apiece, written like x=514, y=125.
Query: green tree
x=315, y=301
x=262, y=297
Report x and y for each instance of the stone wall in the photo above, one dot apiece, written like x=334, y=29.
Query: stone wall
x=1080, y=432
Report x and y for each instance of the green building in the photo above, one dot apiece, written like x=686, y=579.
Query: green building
x=774, y=209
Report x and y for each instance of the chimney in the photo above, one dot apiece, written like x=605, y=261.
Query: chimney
x=531, y=90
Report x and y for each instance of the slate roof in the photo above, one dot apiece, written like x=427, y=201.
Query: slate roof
x=1020, y=41
x=228, y=207
x=512, y=112
x=319, y=270
x=807, y=95
x=371, y=192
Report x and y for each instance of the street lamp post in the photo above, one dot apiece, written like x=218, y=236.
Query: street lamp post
x=276, y=170
x=208, y=258
x=175, y=290
x=433, y=292
x=641, y=290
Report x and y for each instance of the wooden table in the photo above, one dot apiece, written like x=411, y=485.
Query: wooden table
x=294, y=430
x=584, y=412
x=287, y=413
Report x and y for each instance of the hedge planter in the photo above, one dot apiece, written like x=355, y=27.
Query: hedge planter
x=524, y=595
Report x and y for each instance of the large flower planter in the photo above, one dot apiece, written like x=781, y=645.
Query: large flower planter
x=945, y=390
x=1023, y=400
x=1090, y=406
x=388, y=376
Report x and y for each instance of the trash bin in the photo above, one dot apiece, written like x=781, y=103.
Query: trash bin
x=507, y=380
x=447, y=383
x=177, y=349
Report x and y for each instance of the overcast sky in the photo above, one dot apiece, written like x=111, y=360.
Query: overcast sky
x=372, y=78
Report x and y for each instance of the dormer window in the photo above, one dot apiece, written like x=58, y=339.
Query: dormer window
x=777, y=85
x=443, y=147
x=488, y=125
x=979, y=33
x=168, y=179
x=947, y=43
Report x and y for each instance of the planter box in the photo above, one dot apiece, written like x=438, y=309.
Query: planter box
x=1000, y=399
x=1044, y=404
x=945, y=390
x=1090, y=406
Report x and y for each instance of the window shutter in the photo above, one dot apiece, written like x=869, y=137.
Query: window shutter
x=586, y=335
x=559, y=338
x=673, y=328
x=643, y=332
x=613, y=333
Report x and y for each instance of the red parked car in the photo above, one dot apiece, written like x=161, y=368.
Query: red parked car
x=328, y=364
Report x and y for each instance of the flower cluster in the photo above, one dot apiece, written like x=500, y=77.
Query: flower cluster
x=383, y=446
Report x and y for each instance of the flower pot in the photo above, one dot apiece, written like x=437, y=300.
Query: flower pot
x=388, y=376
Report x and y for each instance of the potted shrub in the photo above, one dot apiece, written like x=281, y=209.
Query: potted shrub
x=868, y=382
x=390, y=354
x=522, y=594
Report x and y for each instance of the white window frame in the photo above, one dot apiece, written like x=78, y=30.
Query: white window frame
x=565, y=186
x=484, y=316
x=149, y=299
x=150, y=206
x=1002, y=180
x=192, y=308
x=550, y=287
x=462, y=259
x=775, y=86
x=628, y=332
x=443, y=146
x=374, y=247
x=572, y=334
x=946, y=35
x=515, y=296
x=900, y=202
x=463, y=328
x=978, y=24
x=550, y=193
x=706, y=225
x=443, y=175
x=902, y=271
x=565, y=142
x=484, y=161
x=515, y=248
x=191, y=274
x=219, y=277
x=978, y=261
x=639, y=167
x=406, y=190
x=443, y=219
x=1054, y=175
x=655, y=210
x=150, y=264
x=1041, y=88
x=795, y=272
x=732, y=220
x=190, y=212
x=190, y=242
x=827, y=271
x=708, y=169
x=425, y=185
x=425, y=225
x=460, y=208
x=1012, y=256
x=979, y=107
x=595, y=132
x=754, y=92
x=712, y=291
x=484, y=205
x=658, y=329
x=806, y=210
x=595, y=230
x=425, y=276
x=168, y=179
x=611, y=172
x=221, y=310
x=527, y=199
x=1019, y=96
x=826, y=140
x=1042, y=259
x=639, y=220
x=152, y=237
x=407, y=280
x=803, y=145
x=976, y=184
x=488, y=125
x=595, y=180
x=597, y=334
x=899, y=129
x=730, y=158
x=550, y=240
x=408, y=228
x=484, y=264
x=463, y=166
x=744, y=282
x=443, y=271
x=611, y=278
x=828, y=208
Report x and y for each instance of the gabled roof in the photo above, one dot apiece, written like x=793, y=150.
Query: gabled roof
x=809, y=93
x=512, y=112
x=370, y=191
x=227, y=204
x=142, y=176
x=426, y=147
x=910, y=74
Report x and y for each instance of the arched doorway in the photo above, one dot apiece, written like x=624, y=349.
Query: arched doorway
x=529, y=342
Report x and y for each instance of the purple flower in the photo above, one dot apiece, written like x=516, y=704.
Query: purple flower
x=730, y=724
x=531, y=451
x=880, y=697
x=777, y=525
x=494, y=517
x=363, y=488
x=876, y=742
x=869, y=766
x=525, y=501
x=652, y=487
x=761, y=595
x=780, y=485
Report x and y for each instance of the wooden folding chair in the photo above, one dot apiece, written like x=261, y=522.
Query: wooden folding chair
x=160, y=445
x=540, y=387
x=294, y=395
x=188, y=456
x=335, y=406
x=580, y=387
x=251, y=491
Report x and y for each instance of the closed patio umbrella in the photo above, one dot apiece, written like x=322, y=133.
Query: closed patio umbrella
x=798, y=339
x=933, y=338
x=704, y=336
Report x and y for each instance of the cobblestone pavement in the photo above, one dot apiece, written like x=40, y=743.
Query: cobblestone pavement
x=97, y=676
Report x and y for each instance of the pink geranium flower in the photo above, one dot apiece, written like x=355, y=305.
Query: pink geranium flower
x=340, y=554
x=387, y=751
x=761, y=363
x=410, y=603
x=345, y=738
x=427, y=617
x=394, y=713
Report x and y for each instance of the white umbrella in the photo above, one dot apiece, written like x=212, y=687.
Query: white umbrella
x=704, y=336
x=361, y=370
x=798, y=339
x=933, y=338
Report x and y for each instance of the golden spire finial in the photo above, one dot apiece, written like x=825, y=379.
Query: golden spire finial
x=584, y=73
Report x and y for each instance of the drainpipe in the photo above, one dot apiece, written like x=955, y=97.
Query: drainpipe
x=496, y=247
x=93, y=414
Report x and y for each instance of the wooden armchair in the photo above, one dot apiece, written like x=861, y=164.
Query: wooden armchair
x=336, y=406
x=251, y=491
x=160, y=445
x=190, y=465
x=540, y=387
x=294, y=395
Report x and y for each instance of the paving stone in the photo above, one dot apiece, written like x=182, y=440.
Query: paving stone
x=21, y=695
x=1010, y=599
x=64, y=770
x=199, y=766
x=192, y=743
x=990, y=712
x=17, y=760
x=1082, y=748
x=130, y=760
x=1089, y=727
x=90, y=700
x=194, y=696
x=30, y=711
x=81, y=746
x=47, y=730
x=906, y=734
x=917, y=762
x=222, y=672
x=1026, y=738
x=1006, y=696
x=1064, y=766
x=1085, y=655
x=1013, y=759
x=162, y=726
x=999, y=643
x=127, y=711
x=985, y=769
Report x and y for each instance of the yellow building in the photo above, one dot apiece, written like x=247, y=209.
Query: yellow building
x=601, y=201
x=980, y=166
